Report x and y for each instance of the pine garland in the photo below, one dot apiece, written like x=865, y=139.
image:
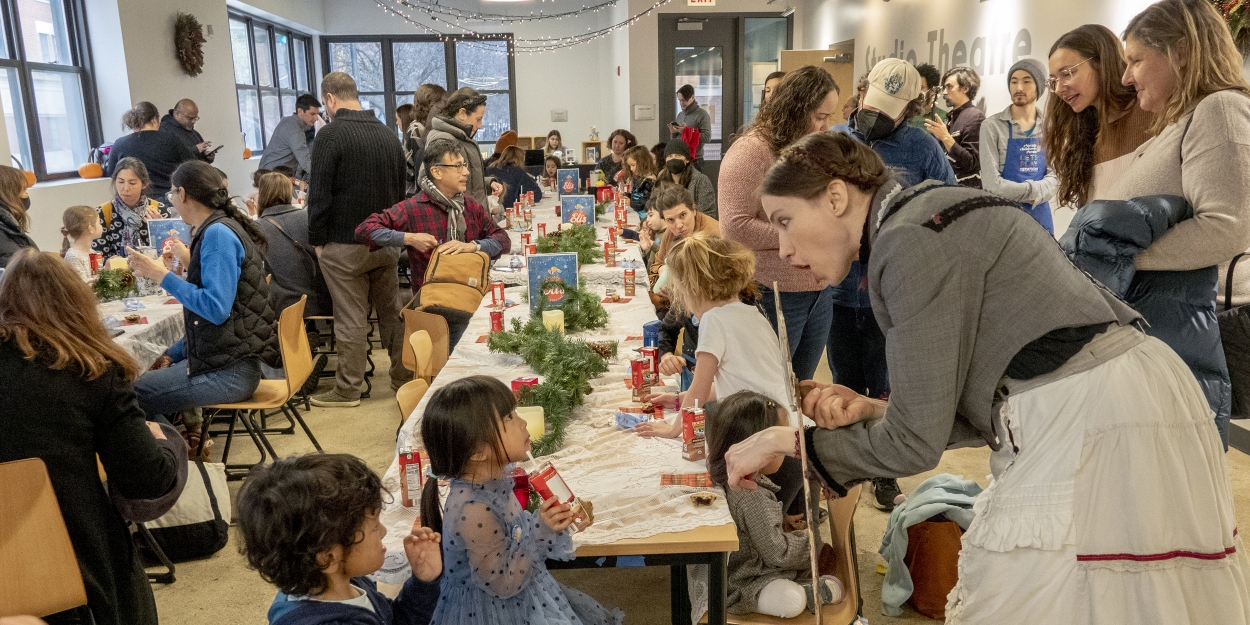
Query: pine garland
x=601, y=208
x=114, y=284
x=578, y=239
x=568, y=366
x=582, y=309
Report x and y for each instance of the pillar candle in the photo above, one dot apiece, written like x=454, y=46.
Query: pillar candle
x=535, y=420
x=554, y=320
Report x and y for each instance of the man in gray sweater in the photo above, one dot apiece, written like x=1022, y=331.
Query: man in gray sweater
x=694, y=116
x=289, y=144
x=1013, y=165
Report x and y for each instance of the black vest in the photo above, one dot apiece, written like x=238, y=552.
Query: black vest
x=250, y=331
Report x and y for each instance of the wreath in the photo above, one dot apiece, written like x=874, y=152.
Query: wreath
x=189, y=44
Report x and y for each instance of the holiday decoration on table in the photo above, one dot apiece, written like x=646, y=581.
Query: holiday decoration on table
x=189, y=44
x=115, y=284
x=577, y=209
x=566, y=364
x=1234, y=14
x=582, y=310
x=550, y=276
x=163, y=232
x=567, y=181
x=578, y=240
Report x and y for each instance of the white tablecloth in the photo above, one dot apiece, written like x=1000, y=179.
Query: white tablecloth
x=146, y=342
x=615, y=469
x=596, y=275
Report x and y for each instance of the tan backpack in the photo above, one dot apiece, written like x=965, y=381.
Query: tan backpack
x=456, y=281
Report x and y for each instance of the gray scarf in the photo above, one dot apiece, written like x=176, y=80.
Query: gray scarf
x=453, y=206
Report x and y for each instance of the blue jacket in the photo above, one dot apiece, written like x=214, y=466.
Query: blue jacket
x=914, y=156
x=517, y=181
x=414, y=606
x=947, y=494
x=1104, y=240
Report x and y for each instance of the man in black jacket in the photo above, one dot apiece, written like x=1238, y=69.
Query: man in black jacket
x=180, y=122
x=357, y=170
x=961, y=134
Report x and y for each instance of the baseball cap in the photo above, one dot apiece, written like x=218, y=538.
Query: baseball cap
x=892, y=83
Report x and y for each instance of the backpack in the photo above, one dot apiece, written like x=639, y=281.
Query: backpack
x=199, y=524
x=456, y=281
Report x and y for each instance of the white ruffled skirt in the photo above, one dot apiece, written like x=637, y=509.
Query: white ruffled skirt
x=1109, y=501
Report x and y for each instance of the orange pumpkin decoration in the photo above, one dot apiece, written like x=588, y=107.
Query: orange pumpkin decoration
x=30, y=178
x=90, y=170
x=247, y=153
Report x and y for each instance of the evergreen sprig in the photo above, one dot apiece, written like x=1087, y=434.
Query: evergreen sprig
x=115, y=284
x=582, y=309
x=567, y=364
x=578, y=239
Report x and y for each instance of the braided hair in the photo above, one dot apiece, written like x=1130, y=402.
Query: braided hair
x=202, y=183
x=806, y=168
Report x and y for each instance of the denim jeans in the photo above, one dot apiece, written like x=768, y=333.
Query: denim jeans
x=687, y=375
x=857, y=352
x=809, y=315
x=170, y=390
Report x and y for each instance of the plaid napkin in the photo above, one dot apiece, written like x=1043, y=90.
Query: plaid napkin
x=692, y=480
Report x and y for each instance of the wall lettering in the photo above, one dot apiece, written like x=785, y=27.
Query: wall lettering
x=991, y=54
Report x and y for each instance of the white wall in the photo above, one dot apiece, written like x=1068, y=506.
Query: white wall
x=574, y=79
x=990, y=35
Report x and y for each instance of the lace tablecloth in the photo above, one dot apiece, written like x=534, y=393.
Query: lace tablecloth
x=596, y=275
x=146, y=342
x=616, y=470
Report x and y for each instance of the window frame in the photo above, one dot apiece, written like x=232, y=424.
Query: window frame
x=80, y=65
x=387, y=42
x=274, y=30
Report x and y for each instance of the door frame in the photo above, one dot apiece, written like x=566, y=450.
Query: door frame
x=732, y=119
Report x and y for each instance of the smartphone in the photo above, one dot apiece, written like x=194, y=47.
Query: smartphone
x=214, y=150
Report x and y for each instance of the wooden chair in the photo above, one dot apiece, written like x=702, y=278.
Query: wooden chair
x=408, y=396
x=273, y=394
x=440, y=337
x=842, y=538
x=41, y=574
x=417, y=354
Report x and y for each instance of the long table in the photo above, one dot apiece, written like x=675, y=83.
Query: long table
x=147, y=341
x=613, y=468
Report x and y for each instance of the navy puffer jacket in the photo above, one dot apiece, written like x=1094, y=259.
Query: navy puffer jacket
x=1104, y=240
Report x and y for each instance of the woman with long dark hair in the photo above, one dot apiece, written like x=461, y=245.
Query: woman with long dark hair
x=14, y=222
x=229, y=319
x=68, y=397
x=619, y=142
x=1109, y=480
x=1093, y=123
x=805, y=101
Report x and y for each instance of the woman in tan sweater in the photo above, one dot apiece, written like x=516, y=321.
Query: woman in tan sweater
x=804, y=102
x=1093, y=122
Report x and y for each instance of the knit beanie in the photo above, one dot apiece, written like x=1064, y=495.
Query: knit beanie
x=1035, y=69
x=677, y=146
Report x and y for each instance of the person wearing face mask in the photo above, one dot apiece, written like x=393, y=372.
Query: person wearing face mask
x=892, y=94
x=14, y=221
x=1013, y=164
x=460, y=120
x=960, y=135
x=677, y=168
x=1110, y=500
x=804, y=102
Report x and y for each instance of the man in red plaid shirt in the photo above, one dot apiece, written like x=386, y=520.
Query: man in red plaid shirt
x=439, y=217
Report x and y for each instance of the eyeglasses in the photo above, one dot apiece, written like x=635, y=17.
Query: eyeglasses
x=463, y=166
x=1065, y=76
x=190, y=119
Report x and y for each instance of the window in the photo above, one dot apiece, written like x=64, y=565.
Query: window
x=45, y=86
x=271, y=69
x=388, y=71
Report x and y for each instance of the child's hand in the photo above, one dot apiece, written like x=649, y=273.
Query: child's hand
x=668, y=400
x=557, y=516
x=668, y=428
x=425, y=553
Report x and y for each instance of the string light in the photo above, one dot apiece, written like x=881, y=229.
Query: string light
x=528, y=45
x=502, y=18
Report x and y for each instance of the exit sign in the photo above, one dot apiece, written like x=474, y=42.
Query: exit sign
x=700, y=3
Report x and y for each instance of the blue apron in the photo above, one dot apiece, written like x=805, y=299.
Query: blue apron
x=1027, y=161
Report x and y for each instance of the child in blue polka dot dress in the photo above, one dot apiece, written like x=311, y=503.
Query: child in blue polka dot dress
x=494, y=551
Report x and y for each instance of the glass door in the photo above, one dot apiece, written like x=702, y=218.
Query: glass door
x=701, y=67
x=701, y=52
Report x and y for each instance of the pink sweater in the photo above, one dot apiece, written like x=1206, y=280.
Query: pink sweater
x=742, y=217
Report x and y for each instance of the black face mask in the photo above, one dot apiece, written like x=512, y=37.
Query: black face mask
x=26, y=203
x=676, y=166
x=873, y=125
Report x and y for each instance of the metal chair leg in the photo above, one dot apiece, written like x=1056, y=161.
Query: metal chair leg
x=294, y=414
x=240, y=471
x=250, y=422
x=159, y=578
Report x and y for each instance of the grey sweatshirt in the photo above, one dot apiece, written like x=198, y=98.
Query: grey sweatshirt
x=959, y=284
x=995, y=132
